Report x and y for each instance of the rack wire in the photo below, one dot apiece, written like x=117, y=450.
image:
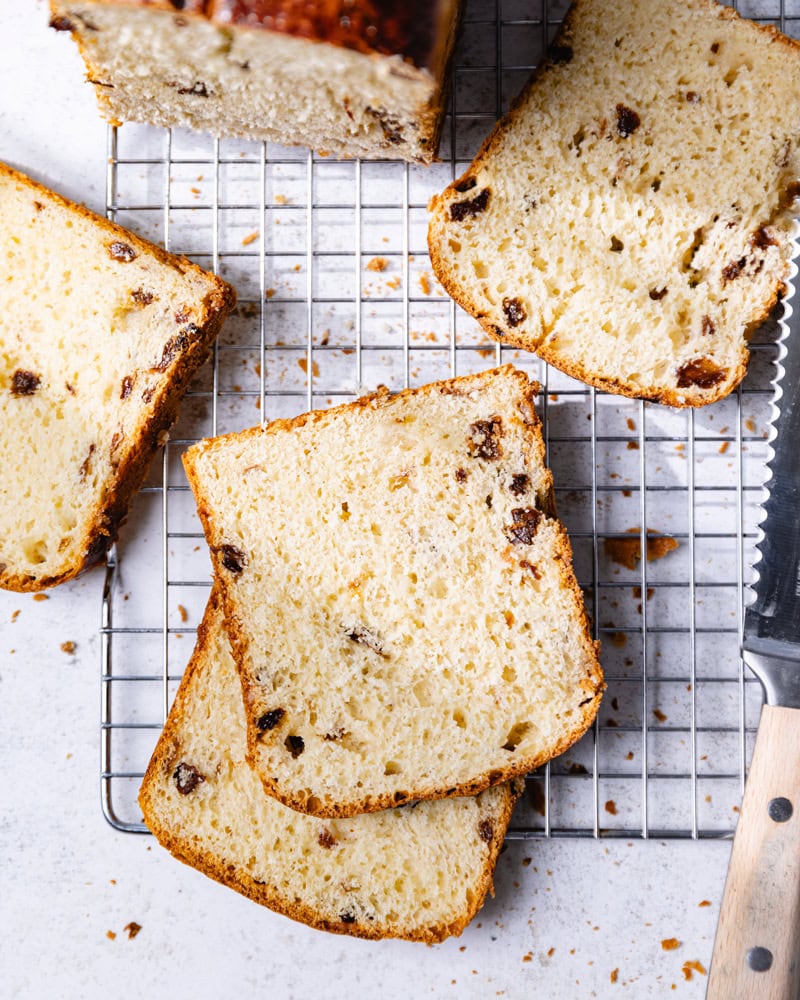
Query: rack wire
x=336, y=295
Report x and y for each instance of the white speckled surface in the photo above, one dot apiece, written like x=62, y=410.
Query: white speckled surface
x=559, y=926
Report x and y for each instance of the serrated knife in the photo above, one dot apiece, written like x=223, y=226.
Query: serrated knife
x=757, y=947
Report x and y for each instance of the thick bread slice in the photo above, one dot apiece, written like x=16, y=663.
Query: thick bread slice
x=419, y=872
x=353, y=79
x=627, y=220
x=100, y=334
x=399, y=595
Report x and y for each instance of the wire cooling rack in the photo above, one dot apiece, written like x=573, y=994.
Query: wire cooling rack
x=336, y=295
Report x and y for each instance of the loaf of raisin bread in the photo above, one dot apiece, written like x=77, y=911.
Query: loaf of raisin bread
x=355, y=79
x=420, y=871
x=627, y=220
x=100, y=333
x=399, y=595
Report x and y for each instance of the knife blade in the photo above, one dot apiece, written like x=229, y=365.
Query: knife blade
x=757, y=947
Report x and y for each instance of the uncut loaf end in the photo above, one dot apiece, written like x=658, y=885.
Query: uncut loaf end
x=100, y=334
x=399, y=595
x=629, y=219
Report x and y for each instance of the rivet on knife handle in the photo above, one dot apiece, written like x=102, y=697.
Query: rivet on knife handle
x=757, y=949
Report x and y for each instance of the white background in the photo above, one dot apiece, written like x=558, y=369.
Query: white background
x=565, y=915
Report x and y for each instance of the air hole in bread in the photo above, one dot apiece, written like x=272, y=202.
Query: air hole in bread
x=516, y=735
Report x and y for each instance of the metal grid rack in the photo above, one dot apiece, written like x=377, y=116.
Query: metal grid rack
x=336, y=295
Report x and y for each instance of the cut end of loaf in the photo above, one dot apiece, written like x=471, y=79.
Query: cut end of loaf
x=399, y=595
x=629, y=220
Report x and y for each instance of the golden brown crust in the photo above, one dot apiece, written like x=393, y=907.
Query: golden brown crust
x=505, y=334
x=592, y=685
x=185, y=849
x=135, y=454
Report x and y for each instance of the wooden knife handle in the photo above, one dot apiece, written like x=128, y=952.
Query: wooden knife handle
x=757, y=948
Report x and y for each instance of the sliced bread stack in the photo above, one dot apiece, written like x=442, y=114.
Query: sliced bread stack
x=100, y=335
x=628, y=219
x=406, y=625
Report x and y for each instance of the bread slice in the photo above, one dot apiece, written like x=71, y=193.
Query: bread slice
x=100, y=333
x=627, y=220
x=355, y=79
x=399, y=595
x=420, y=871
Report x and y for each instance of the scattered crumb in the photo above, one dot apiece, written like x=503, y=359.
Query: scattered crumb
x=133, y=929
x=611, y=807
x=680, y=447
x=704, y=902
x=750, y=425
x=631, y=424
x=250, y=239
x=183, y=613
x=550, y=952
x=269, y=293
x=553, y=397
x=112, y=881
x=15, y=615
x=659, y=715
x=614, y=975
x=670, y=944
x=425, y=284
x=724, y=447
x=527, y=958
x=41, y=597
x=68, y=647
x=629, y=755
x=527, y=861
x=692, y=966
x=633, y=446
x=462, y=947
x=377, y=264
x=303, y=363
x=637, y=593
x=576, y=768
x=297, y=267
x=393, y=283
x=110, y=935
x=628, y=551
x=195, y=191
x=281, y=199
x=618, y=639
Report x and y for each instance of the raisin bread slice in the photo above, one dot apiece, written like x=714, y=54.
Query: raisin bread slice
x=627, y=220
x=419, y=872
x=100, y=333
x=399, y=595
x=355, y=79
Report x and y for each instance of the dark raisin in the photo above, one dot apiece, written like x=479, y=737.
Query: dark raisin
x=334, y=734
x=178, y=4
x=708, y=326
x=62, y=24
x=520, y=483
x=656, y=294
x=391, y=128
x=187, y=778
x=692, y=97
x=86, y=463
x=792, y=193
x=326, y=839
x=524, y=564
x=489, y=500
x=461, y=475
x=198, y=89
x=627, y=121
x=232, y=559
x=484, y=438
x=348, y=917
x=142, y=297
x=366, y=637
x=183, y=315
x=715, y=47
x=511, y=747
x=127, y=385
x=116, y=441
x=617, y=246
x=732, y=271
x=761, y=239
x=486, y=830
x=70, y=389
x=515, y=311
x=560, y=53
x=700, y=372
x=295, y=745
x=24, y=383
x=177, y=345
x=121, y=251
x=269, y=720
x=461, y=210
x=400, y=797
x=466, y=185
x=38, y=206
x=524, y=525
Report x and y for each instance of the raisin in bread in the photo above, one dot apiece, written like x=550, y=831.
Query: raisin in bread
x=399, y=595
x=627, y=220
x=360, y=79
x=419, y=872
x=100, y=333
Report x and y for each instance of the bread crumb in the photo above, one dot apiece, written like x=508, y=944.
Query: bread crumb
x=425, y=284
x=394, y=284
x=659, y=715
x=183, y=613
x=527, y=958
x=618, y=639
x=526, y=862
x=614, y=975
x=15, y=615
x=112, y=881
x=281, y=199
x=250, y=239
x=377, y=264
x=724, y=447
x=133, y=929
x=550, y=952
x=704, y=902
x=269, y=293
x=631, y=424
x=670, y=944
x=629, y=755
x=195, y=191
x=303, y=363
x=68, y=647
x=628, y=551
x=633, y=446
x=611, y=807
x=750, y=424
x=41, y=597
x=110, y=935
x=692, y=966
